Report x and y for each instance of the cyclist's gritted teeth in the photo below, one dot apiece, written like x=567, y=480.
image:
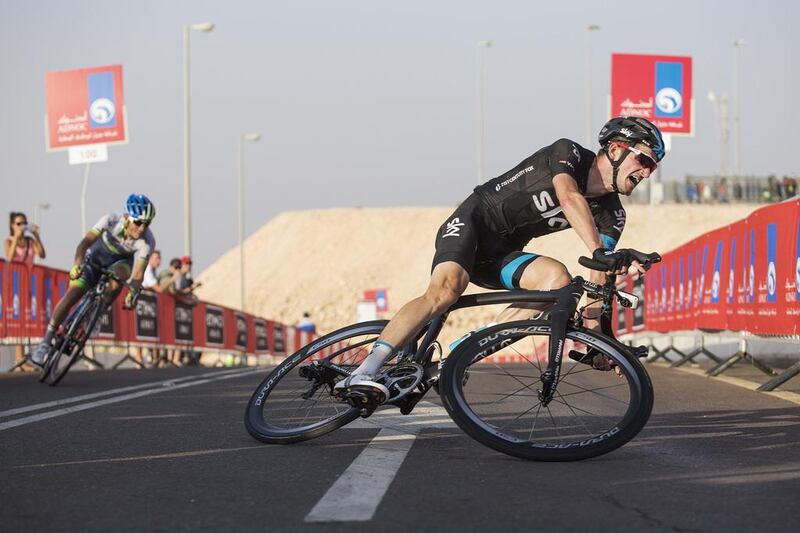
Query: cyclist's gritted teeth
x=635, y=179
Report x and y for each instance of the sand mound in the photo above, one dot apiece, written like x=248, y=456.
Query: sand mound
x=321, y=261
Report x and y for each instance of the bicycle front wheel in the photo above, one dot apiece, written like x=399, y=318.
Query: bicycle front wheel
x=70, y=349
x=294, y=403
x=592, y=412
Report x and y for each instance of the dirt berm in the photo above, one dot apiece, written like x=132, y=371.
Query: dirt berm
x=321, y=261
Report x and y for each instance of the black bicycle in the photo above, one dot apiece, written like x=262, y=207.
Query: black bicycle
x=508, y=386
x=77, y=328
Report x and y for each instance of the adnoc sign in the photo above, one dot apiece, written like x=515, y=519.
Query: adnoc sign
x=658, y=88
x=85, y=106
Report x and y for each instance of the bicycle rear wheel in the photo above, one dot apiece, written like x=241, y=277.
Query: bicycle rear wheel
x=592, y=413
x=294, y=403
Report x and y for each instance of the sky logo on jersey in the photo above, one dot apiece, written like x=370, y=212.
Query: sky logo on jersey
x=102, y=111
x=715, y=282
x=772, y=275
x=669, y=90
x=751, y=281
x=732, y=263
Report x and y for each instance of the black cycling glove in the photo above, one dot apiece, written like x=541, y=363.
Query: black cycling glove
x=613, y=259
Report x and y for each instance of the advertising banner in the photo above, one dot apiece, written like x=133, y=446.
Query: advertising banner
x=658, y=88
x=215, y=325
x=184, y=322
x=85, y=106
x=241, y=331
x=260, y=328
x=146, y=320
x=106, y=321
x=278, y=339
x=742, y=277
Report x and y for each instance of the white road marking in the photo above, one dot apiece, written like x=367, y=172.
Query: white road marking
x=74, y=399
x=115, y=399
x=356, y=494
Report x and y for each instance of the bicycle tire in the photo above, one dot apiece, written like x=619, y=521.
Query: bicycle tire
x=266, y=430
x=570, y=438
x=59, y=367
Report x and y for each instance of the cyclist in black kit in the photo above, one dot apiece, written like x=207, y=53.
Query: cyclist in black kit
x=561, y=186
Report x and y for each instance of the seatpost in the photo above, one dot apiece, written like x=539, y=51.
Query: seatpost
x=560, y=315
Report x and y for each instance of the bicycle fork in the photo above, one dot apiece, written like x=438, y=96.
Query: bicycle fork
x=560, y=315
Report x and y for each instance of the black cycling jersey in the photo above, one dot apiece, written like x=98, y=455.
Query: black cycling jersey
x=522, y=203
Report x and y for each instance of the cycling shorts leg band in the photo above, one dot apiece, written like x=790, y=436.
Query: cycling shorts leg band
x=511, y=273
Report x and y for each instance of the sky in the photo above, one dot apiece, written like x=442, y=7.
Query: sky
x=361, y=103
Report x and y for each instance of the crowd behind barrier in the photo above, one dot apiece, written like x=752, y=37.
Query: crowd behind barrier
x=28, y=295
x=744, y=278
x=720, y=190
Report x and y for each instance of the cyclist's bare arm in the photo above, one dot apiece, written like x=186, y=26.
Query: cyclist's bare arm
x=576, y=209
x=84, y=245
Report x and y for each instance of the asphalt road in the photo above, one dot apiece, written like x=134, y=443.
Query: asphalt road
x=166, y=450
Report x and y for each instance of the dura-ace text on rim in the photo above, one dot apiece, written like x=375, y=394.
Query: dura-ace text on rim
x=592, y=413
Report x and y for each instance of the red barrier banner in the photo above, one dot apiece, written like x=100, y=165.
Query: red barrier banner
x=742, y=277
x=28, y=297
x=3, y=294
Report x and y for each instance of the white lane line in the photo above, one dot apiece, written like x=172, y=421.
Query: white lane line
x=355, y=496
x=65, y=401
x=175, y=455
x=91, y=405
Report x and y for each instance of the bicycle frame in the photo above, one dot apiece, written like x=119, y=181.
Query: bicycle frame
x=564, y=302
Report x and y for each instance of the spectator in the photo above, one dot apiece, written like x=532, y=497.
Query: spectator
x=150, y=280
x=306, y=324
x=168, y=279
x=187, y=281
x=23, y=243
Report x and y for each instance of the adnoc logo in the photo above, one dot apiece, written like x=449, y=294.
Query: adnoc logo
x=102, y=111
x=797, y=275
x=715, y=286
x=771, y=279
x=669, y=100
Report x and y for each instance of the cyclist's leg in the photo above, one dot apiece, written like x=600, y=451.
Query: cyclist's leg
x=541, y=273
x=122, y=269
x=456, y=244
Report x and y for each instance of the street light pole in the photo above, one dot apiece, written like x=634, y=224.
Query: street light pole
x=589, y=29
x=737, y=45
x=252, y=137
x=479, y=104
x=187, y=172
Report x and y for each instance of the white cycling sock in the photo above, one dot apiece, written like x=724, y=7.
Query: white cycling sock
x=380, y=352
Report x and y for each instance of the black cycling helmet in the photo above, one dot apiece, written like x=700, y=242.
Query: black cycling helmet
x=635, y=129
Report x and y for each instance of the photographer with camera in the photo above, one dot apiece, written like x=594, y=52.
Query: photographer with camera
x=23, y=244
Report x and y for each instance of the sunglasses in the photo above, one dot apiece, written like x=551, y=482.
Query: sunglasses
x=24, y=222
x=645, y=160
x=144, y=223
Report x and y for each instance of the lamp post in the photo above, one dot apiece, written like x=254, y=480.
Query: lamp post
x=737, y=45
x=721, y=116
x=589, y=29
x=479, y=103
x=187, y=171
x=252, y=137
